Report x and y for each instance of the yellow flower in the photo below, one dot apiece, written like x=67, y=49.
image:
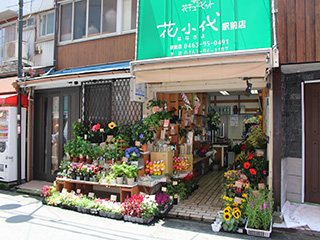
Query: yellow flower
x=227, y=210
x=112, y=125
x=244, y=195
x=236, y=213
x=227, y=216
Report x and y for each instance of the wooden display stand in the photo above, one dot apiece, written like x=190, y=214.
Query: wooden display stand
x=166, y=157
x=86, y=187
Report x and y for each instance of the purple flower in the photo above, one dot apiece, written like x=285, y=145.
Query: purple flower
x=141, y=135
x=264, y=206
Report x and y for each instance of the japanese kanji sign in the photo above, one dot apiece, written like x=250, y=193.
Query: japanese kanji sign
x=168, y=28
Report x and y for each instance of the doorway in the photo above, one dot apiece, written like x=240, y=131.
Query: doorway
x=312, y=142
x=55, y=110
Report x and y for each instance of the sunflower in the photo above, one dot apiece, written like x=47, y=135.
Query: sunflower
x=112, y=125
x=227, y=210
x=227, y=216
x=236, y=213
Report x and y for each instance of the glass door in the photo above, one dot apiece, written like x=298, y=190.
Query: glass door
x=54, y=112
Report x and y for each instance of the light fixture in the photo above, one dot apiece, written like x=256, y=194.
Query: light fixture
x=254, y=91
x=249, y=88
x=224, y=93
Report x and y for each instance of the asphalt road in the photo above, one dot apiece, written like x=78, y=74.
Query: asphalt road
x=23, y=217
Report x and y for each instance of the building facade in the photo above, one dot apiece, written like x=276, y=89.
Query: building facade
x=296, y=111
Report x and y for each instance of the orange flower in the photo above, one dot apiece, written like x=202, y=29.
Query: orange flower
x=253, y=171
x=246, y=165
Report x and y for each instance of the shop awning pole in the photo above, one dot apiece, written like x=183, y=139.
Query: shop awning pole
x=20, y=21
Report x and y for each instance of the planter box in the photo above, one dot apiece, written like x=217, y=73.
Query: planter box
x=114, y=216
x=138, y=220
x=164, y=213
x=94, y=211
x=257, y=232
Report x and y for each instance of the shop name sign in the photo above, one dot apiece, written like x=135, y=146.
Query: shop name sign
x=170, y=28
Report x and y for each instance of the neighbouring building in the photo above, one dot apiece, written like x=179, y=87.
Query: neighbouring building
x=296, y=102
x=94, y=43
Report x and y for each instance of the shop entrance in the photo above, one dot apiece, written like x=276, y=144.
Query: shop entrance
x=55, y=110
x=312, y=141
x=214, y=145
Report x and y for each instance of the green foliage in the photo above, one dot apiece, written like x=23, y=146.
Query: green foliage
x=142, y=132
x=256, y=137
x=149, y=208
x=131, y=171
x=213, y=120
x=79, y=129
x=118, y=170
x=63, y=168
x=259, y=209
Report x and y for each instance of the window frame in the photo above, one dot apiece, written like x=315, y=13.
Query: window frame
x=46, y=35
x=99, y=35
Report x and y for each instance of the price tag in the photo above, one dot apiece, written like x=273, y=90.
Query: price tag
x=163, y=189
x=238, y=200
x=174, y=183
x=91, y=195
x=101, y=130
x=113, y=198
x=78, y=191
x=124, y=159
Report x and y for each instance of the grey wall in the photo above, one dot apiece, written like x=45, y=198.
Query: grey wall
x=291, y=165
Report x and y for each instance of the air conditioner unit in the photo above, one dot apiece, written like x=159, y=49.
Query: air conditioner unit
x=11, y=51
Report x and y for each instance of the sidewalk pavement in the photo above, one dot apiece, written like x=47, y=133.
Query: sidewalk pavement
x=23, y=217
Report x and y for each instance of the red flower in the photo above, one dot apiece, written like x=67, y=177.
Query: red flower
x=243, y=147
x=96, y=127
x=250, y=156
x=253, y=171
x=246, y=165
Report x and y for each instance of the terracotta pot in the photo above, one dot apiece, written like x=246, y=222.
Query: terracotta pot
x=144, y=147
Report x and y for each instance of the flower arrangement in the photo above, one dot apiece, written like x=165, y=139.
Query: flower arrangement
x=235, y=198
x=156, y=168
x=163, y=200
x=181, y=164
x=259, y=210
x=255, y=168
x=132, y=206
x=132, y=153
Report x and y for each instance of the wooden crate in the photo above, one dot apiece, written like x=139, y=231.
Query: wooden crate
x=166, y=157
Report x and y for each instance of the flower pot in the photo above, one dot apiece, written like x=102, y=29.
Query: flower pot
x=113, y=181
x=92, y=179
x=94, y=211
x=130, y=181
x=103, y=214
x=86, y=178
x=119, y=180
x=144, y=147
x=260, y=152
x=258, y=232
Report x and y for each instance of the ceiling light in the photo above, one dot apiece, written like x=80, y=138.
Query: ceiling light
x=224, y=93
x=254, y=91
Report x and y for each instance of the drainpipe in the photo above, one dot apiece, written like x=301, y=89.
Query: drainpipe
x=20, y=75
x=56, y=24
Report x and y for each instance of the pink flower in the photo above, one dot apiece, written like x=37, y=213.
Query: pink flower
x=264, y=172
x=96, y=127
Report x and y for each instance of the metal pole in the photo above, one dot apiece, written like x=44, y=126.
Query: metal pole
x=20, y=75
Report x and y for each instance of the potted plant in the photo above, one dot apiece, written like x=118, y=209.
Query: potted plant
x=131, y=172
x=118, y=171
x=133, y=155
x=154, y=105
x=164, y=203
x=259, y=212
x=257, y=139
x=149, y=210
x=142, y=133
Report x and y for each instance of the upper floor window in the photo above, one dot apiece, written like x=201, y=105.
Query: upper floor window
x=47, y=24
x=86, y=18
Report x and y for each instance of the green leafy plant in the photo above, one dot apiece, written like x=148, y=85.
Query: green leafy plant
x=259, y=209
x=256, y=137
x=213, y=120
x=118, y=170
x=131, y=171
x=79, y=129
x=143, y=131
x=149, y=208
